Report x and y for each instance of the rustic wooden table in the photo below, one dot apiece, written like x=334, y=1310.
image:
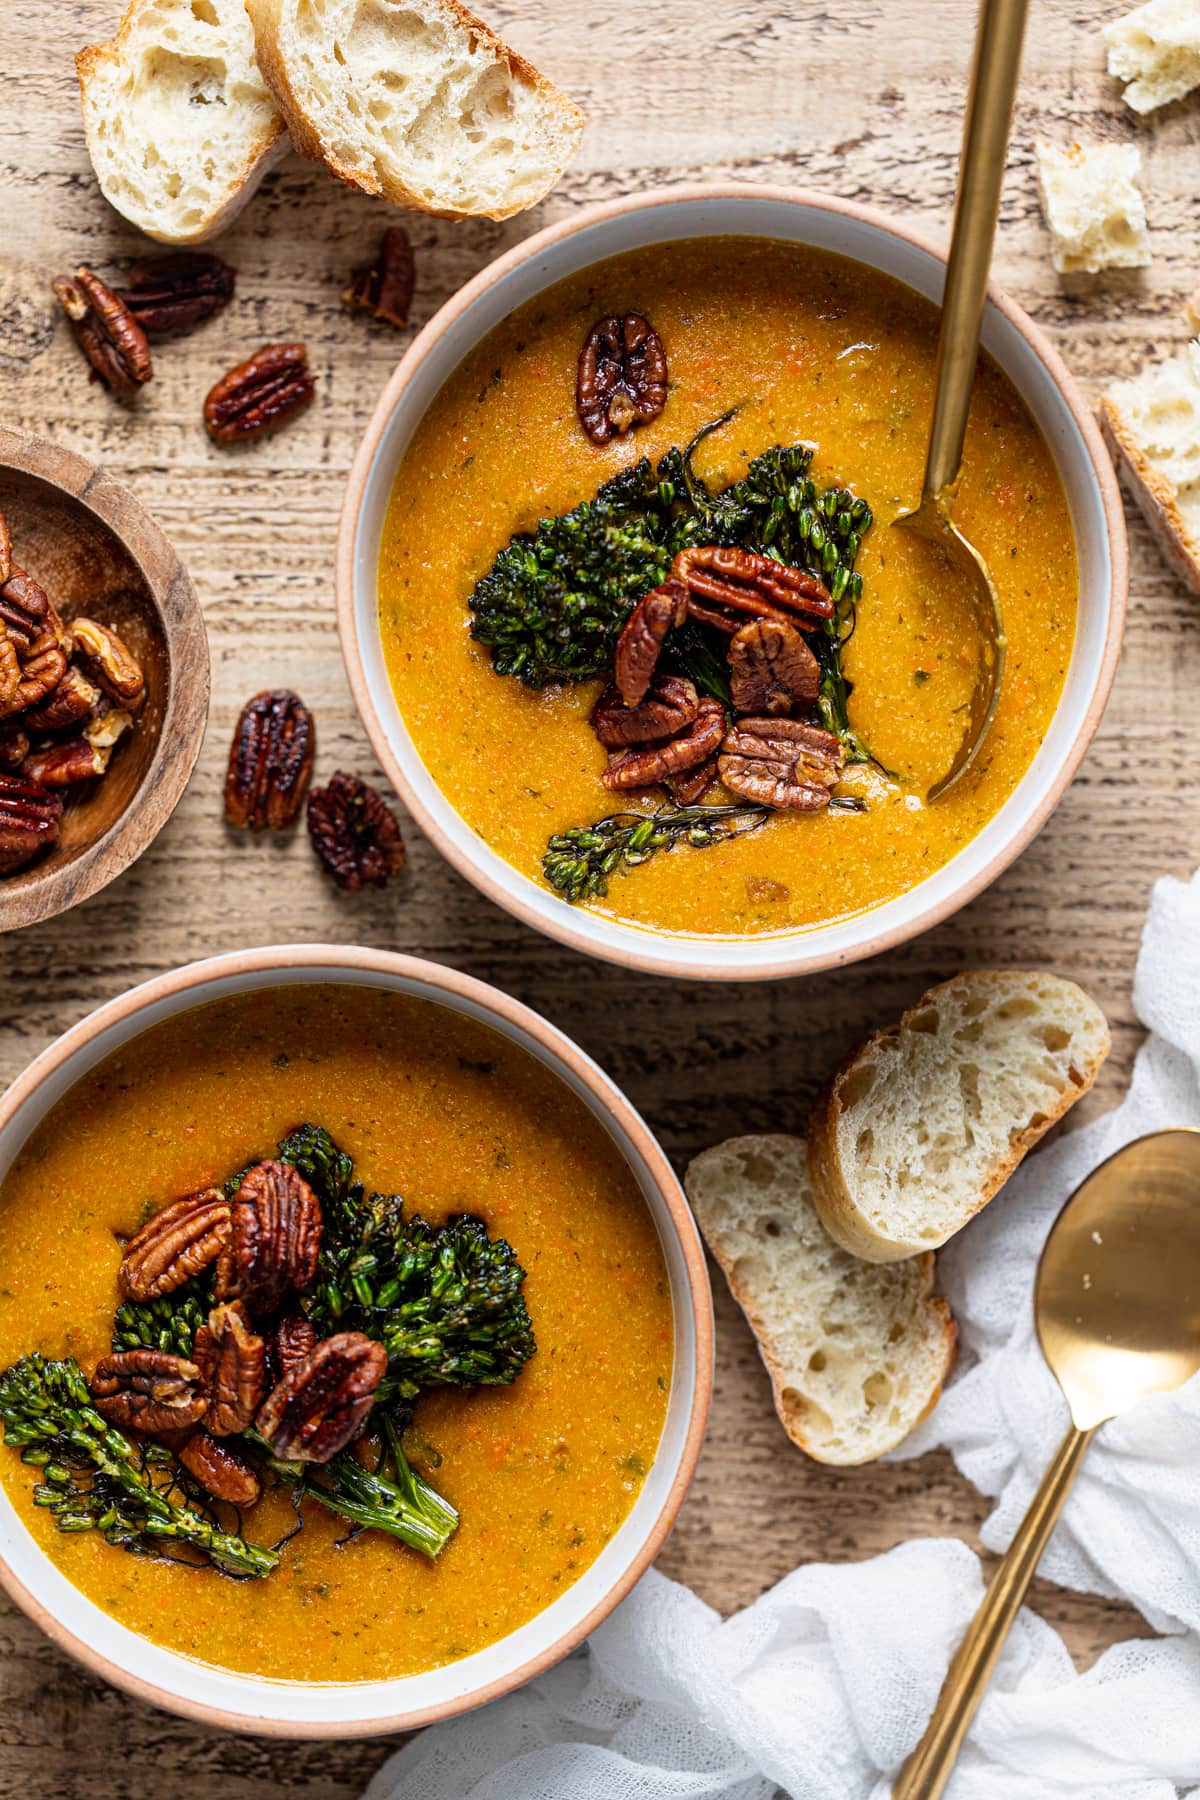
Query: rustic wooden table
x=862, y=101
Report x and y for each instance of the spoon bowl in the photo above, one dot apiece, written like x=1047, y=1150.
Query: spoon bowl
x=1117, y=1310
x=1117, y=1300
x=956, y=566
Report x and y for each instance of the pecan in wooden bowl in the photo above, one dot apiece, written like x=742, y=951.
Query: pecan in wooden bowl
x=104, y=679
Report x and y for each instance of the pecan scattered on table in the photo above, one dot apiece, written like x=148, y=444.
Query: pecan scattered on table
x=642, y=637
x=644, y=765
x=30, y=816
x=781, y=763
x=274, y=1238
x=109, y=661
x=220, y=1471
x=259, y=395
x=75, y=698
x=771, y=668
x=170, y=295
x=355, y=835
x=292, y=1339
x=106, y=331
x=232, y=1360
x=174, y=1244
x=5, y=551
x=148, y=1390
x=270, y=762
x=669, y=706
x=622, y=376
x=725, y=586
x=385, y=290
x=316, y=1409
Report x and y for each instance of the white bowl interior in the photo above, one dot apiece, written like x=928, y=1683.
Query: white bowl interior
x=258, y=1703
x=794, y=221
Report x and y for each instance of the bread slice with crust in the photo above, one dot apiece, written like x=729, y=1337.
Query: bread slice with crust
x=856, y=1354
x=1152, y=424
x=180, y=125
x=925, y=1122
x=416, y=100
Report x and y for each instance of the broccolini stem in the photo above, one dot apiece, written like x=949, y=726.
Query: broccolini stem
x=406, y=1506
x=578, y=863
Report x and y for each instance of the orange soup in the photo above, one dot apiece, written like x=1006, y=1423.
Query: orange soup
x=808, y=348
x=455, y=1118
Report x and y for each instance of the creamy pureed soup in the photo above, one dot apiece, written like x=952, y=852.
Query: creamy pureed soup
x=456, y=1118
x=809, y=348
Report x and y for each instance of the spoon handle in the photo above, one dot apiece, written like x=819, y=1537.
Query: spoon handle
x=985, y=147
x=928, y=1769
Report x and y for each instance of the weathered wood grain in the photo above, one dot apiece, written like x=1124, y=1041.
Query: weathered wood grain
x=862, y=101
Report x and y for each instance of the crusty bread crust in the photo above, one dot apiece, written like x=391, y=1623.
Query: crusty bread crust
x=931, y=1316
x=1153, y=493
x=91, y=65
x=306, y=135
x=839, y=1213
x=264, y=19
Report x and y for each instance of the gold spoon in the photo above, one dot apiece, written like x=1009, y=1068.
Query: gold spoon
x=998, y=38
x=1117, y=1307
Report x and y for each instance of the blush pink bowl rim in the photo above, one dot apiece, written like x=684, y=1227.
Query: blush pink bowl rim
x=569, y=1064
x=801, y=951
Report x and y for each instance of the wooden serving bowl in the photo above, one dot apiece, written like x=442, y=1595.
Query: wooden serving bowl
x=97, y=551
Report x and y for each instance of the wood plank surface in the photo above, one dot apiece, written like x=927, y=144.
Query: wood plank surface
x=862, y=101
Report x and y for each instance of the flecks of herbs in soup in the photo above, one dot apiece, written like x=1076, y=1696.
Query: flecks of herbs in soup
x=456, y=1119
x=807, y=349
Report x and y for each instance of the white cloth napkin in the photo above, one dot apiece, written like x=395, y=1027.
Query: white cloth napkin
x=820, y=1689
x=824, y=1684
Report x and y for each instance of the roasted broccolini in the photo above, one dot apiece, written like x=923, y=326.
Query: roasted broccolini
x=94, y=1478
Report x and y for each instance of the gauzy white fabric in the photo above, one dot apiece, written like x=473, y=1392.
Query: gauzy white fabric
x=822, y=1687
x=1131, y=1527
x=819, y=1689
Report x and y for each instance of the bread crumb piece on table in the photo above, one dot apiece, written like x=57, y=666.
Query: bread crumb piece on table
x=1156, y=50
x=1093, y=206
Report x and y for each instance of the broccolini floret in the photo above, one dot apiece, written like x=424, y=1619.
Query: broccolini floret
x=94, y=1478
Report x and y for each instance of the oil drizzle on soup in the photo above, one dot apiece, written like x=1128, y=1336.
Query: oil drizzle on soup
x=808, y=347
x=456, y=1118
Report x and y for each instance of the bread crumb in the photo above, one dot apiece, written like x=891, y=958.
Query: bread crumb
x=1156, y=50
x=1093, y=207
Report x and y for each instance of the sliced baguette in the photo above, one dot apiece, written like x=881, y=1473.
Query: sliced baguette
x=926, y=1121
x=180, y=125
x=856, y=1355
x=1093, y=206
x=1152, y=424
x=1155, y=49
x=416, y=100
